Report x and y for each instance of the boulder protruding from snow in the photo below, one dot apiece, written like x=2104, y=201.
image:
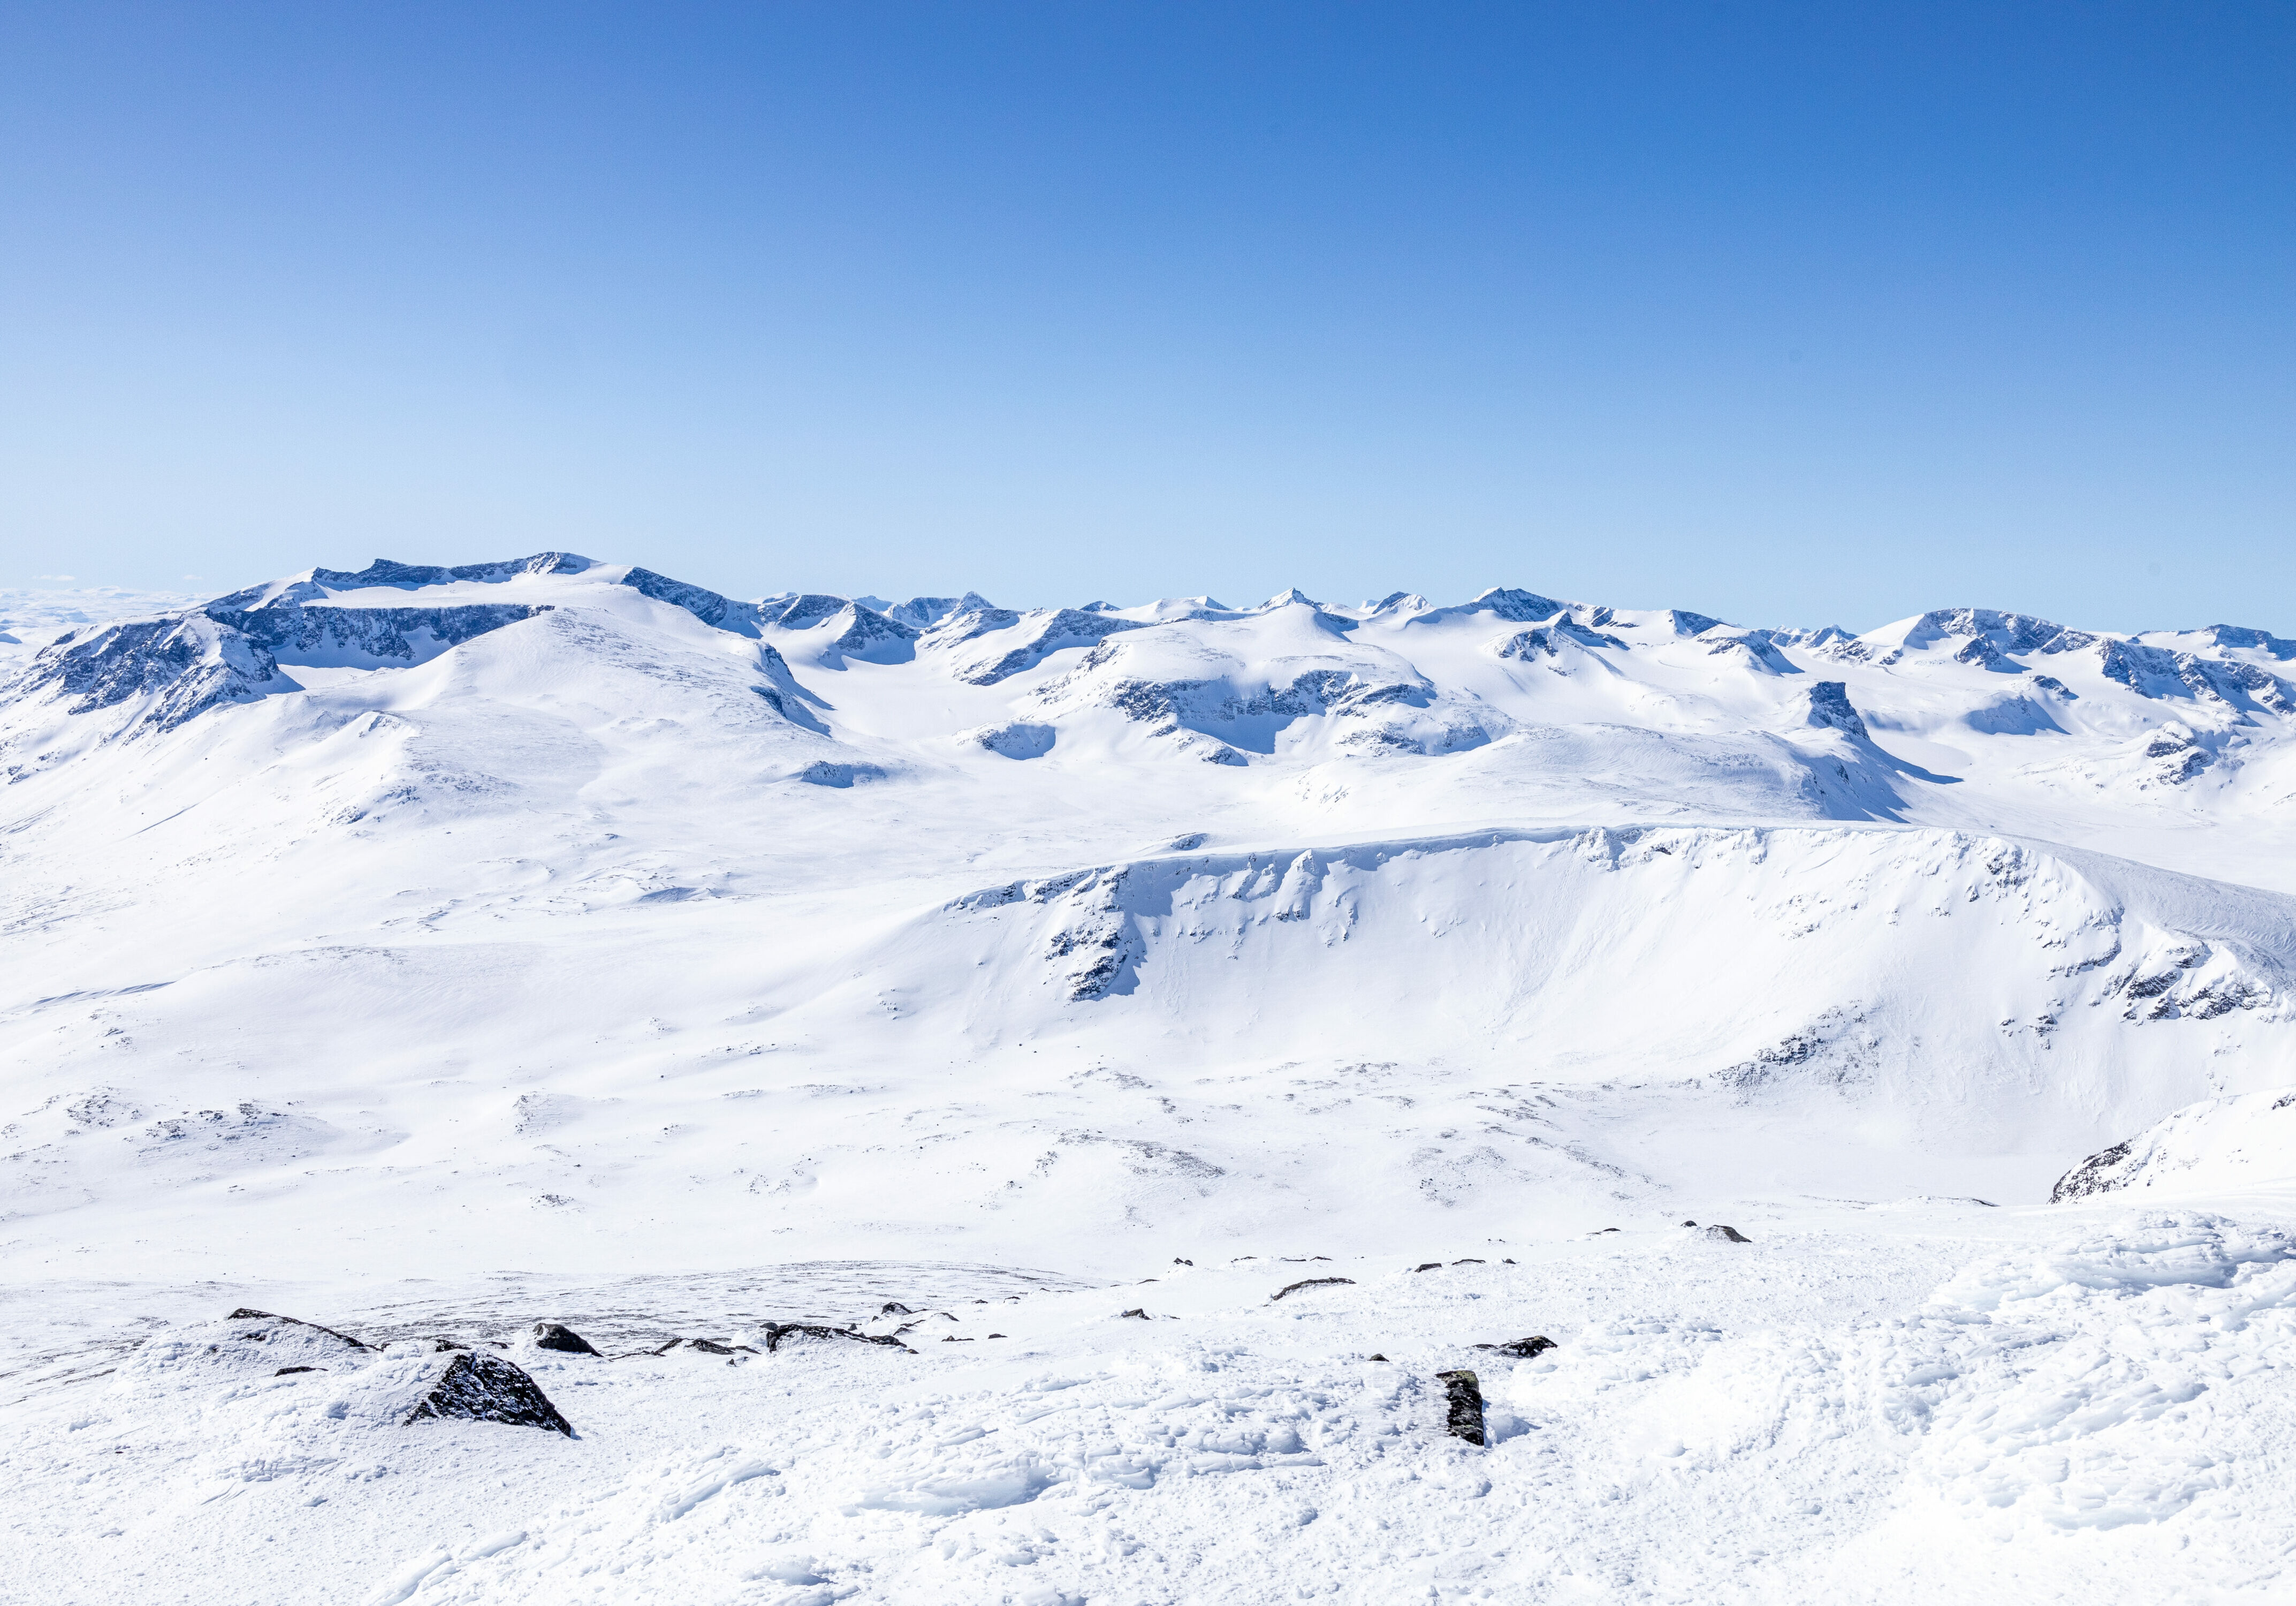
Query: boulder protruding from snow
x=1307, y=1282
x=1522, y=1349
x=557, y=1336
x=1463, y=1418
x=778, y=1333
x=294, y=1333
x=479, y=1387
x=732, y=1353
x=1727, y=1234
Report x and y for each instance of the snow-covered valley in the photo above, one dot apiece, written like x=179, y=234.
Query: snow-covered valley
x=435, y=952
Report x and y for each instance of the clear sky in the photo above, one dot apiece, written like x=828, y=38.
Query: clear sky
x=1789, y=314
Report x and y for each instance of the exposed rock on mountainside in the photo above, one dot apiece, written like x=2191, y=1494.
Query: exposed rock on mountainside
x=178, y=667
x=2217, y=1144
x=1042, y=635
x=1829, y=707
x=2101, y=1172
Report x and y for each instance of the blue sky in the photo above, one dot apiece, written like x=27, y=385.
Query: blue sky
x=1792, y=314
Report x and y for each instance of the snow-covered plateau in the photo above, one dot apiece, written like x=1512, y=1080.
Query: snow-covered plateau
x=1027, y=1105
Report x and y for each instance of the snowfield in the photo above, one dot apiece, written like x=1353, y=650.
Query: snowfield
x=428, y=952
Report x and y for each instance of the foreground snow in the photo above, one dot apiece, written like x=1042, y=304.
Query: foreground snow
x=1936, y=1401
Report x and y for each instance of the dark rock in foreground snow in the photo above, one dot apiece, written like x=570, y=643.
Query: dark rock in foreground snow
x=301, y=1334
x=1522, y=1348
x=778, y=1333
x=1307, y=1282
x=1727, y=1234
x=479, y=1387
x=705, y=1347
x=1464, y=1417
x=554, y=1335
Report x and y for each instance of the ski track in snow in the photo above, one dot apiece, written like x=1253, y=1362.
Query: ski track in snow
x=428, y=952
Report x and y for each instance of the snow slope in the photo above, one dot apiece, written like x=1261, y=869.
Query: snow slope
x=426, y=922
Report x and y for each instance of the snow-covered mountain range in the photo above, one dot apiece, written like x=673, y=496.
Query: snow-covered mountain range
x=591, y=901
x=1375, y=991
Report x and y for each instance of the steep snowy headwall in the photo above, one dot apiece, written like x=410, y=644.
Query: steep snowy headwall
x=1978, y=989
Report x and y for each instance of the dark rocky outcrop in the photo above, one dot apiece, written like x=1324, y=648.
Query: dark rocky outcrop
x=480, y=1387
x=2240, y=636
x=869, y=634
x=706, y=1347
x=383, y=572
x=804, y=611
x=564, y=1339
x=1135, y=1311
x=2001, y=632
x=1309, y=1282
x=822, y=773
x=1547, y=640
x=1068, y=627
x=185, y=663
x=277, y=1327
x=778, y=1333
x=1503, y=602
x=1830, y=708
x=705, y=605
x=1464, y=1417
x=1727, y=1234
x=1522, y=1349
x=292, y=632
x=2101, y=1172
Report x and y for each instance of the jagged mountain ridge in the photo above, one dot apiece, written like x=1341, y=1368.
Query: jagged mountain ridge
x=233, y=649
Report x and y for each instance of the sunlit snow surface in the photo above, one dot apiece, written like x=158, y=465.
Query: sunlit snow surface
x=431, y=953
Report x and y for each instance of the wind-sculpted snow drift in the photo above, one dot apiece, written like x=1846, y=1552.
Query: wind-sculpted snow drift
x=1446, y=963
